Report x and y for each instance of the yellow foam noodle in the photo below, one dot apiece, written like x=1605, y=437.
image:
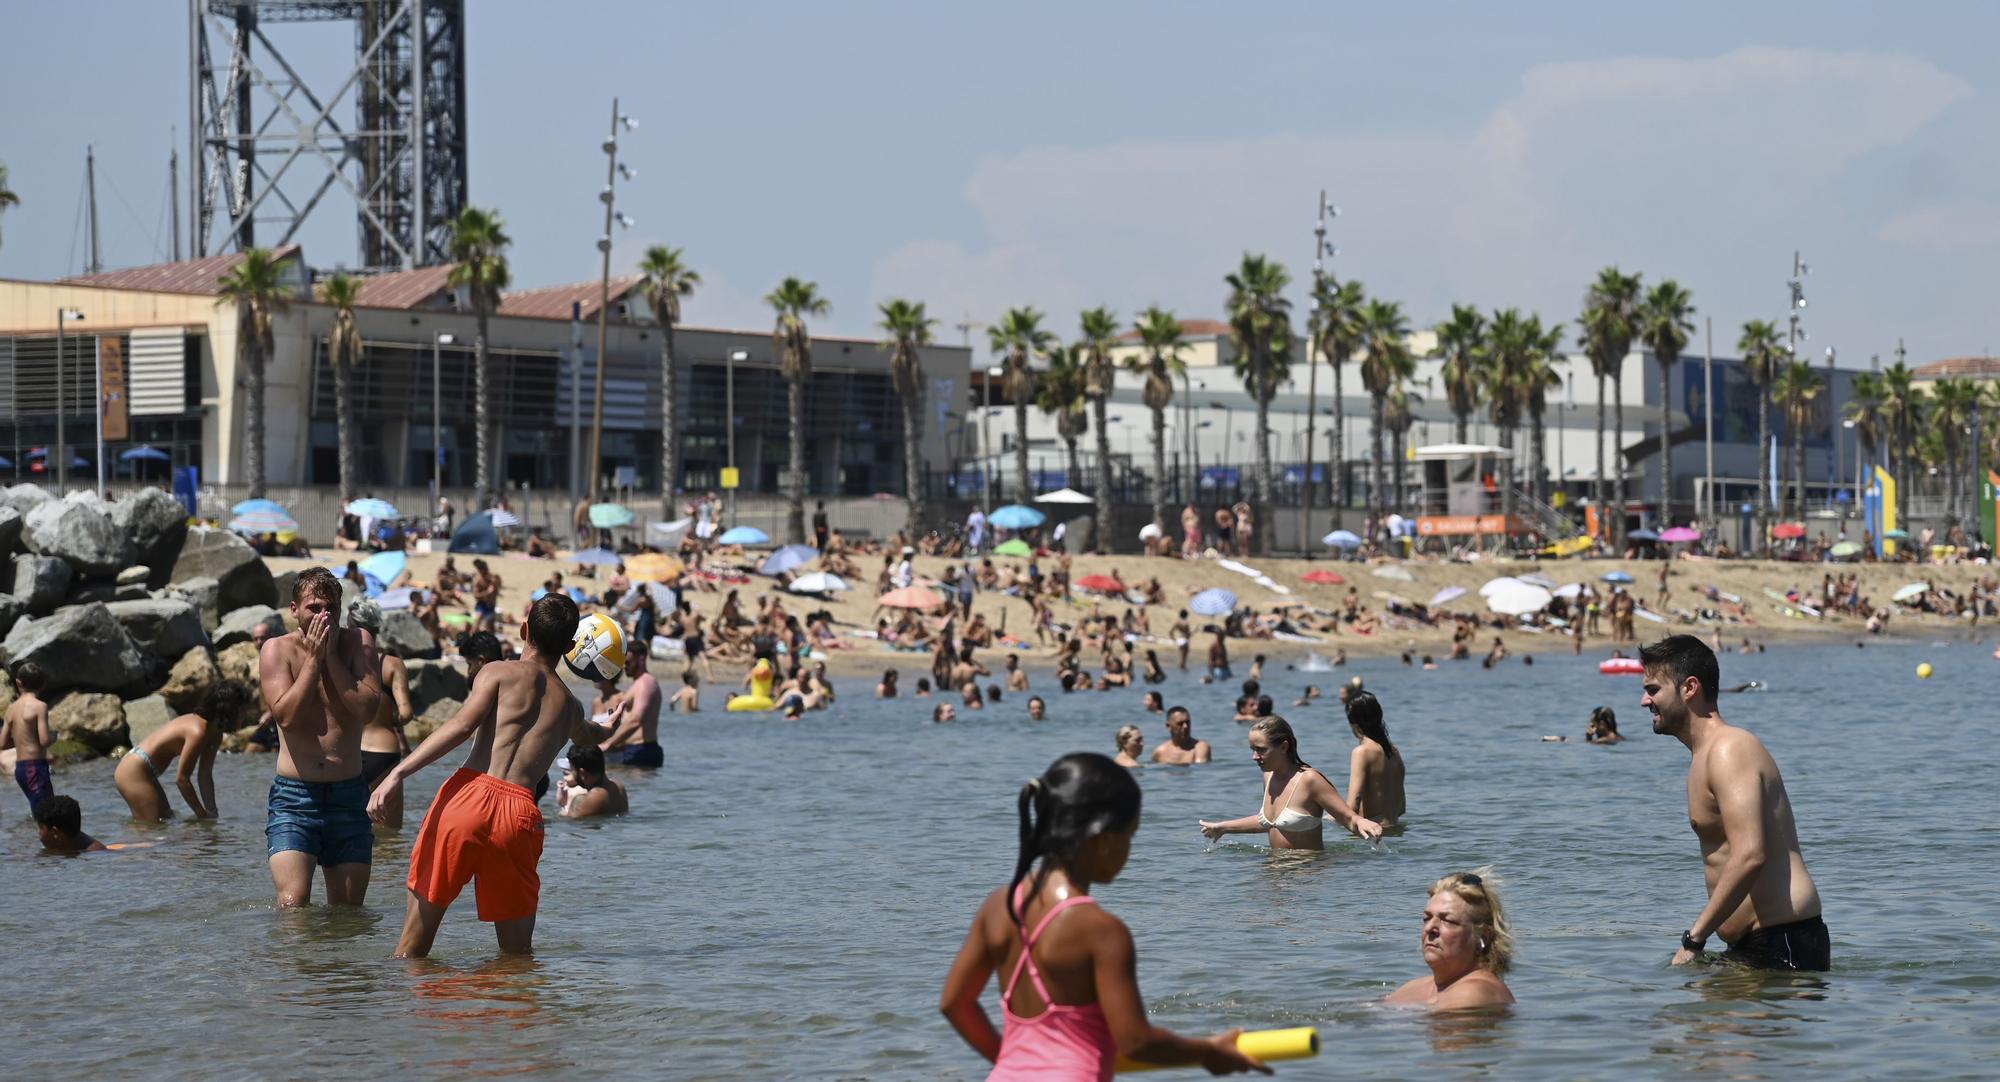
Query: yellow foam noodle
x=1268, y=1045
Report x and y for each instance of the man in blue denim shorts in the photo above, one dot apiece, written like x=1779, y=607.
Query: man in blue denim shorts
x=321, y=684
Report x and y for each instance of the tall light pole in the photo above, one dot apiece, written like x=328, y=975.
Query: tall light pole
x=1708, y=407
x=438, y=341
x=1321, y=249
x=97, y=373
x=1794, y=335
x=59, y=461
x=986, y=441
x=729, y=418
x=1832, y=410
x=609, y=195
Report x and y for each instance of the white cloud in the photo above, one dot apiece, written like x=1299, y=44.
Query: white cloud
x=1962, y=226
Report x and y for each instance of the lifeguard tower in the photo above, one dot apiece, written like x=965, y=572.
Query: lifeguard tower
x=1462, y=497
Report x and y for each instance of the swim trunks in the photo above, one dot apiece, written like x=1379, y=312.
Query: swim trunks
x=694, y=645
x=1802, y=944
x=1220, y=672
x=483, y=828
x=482, y=609
x=541, y=788
x=32, y=775
x=327, y=820
x=376, y=764
x=648, y=754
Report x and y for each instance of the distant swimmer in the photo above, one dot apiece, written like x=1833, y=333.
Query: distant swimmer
x=483, y=824
x=1181, y=748
x=1311, y=693
x=1218, y=659
x=1080, y=1007
x=584, y=792
x=887, y=688
x=1130, y=743
x=59, y=821
x=26, y=730
x=1038, y=710
x=636, y=717
x=1761, y=899
x=1153, y=703
x=193, y=739
x=1375, y=769
x=1603, y=727
x=1017, y=677
x=1752, y=685
x=1467, y=945
x=1295, y=795
x=944, y=712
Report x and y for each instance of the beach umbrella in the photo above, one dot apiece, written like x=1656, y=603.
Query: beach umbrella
x=1102, y=583
x=1896, y=535
x=262, y=520
x=370, y=507
x=1393, y=572
x=1911, y=592
x=595, y=557
x=664, y=600
x=1324, y=578
x=653, y=567
x=1016, y=517
x=144, y=453
x=1213, y=602
x=1574, y=589
x=819, y=582
x=1062, y=495
x=744, y=535
x=1493, y=586
x=606, y=516
x=1786, y=531
x=1150, y=532
x=787, y=558
x=1846, y=548
x=1617, y=576
x=1680, y=535
x=1539, y=579
x=668, y=529
x=475, y=535
x=1641, y=535
x=503, y=519
x=911, y=597
x=1015, y=547
x=1341, y=539
x=1449, y=593
x=385, y=566
x=1518, y=598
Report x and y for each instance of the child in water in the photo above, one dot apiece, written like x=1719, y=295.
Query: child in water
x=1080, y=1009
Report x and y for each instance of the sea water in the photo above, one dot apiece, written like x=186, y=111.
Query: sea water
x=785, y=898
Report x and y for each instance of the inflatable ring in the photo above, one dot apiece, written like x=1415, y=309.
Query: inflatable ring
x=1621, y=666
x=760, y=690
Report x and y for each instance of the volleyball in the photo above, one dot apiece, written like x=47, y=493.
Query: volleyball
x=598, y=652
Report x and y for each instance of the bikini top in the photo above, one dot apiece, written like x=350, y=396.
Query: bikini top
x=1290, y=820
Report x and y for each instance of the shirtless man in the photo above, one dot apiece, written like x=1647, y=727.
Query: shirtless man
x=26, y=730
x=1761, y=899
x=485, y=597
x=1181, y=748
x=484, y=821
x=585, y=792
x=321, y=683
x=193, y=739
x=1218, y=660
x=688, y=699
x=1017, y=678
x=635, y=718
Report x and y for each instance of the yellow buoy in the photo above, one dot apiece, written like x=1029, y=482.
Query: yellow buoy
x=1924, y=671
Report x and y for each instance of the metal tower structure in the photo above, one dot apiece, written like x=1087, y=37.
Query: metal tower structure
x=253, y=118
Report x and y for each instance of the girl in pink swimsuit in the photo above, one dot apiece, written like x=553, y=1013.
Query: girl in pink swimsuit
x=1080, y=1008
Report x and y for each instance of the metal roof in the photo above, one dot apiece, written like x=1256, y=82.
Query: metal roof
x=1960, y=368
x=553, y=302
x=196, y=276
x=406, y=289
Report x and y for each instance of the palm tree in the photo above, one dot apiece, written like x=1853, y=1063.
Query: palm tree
x=1059, y=393
x=1864, y=409
x=1795, y=390
x=909, y=331
x=1504, y=385
x=343, y=351
x=668, y=279
x=1610, y=323
x=1538, y=377
x=256, y=288
x=1763, y=356
x=1340, y=337
x=1260, y=319
x=1160, y=334
x=1461, y=342
x=7, y=196
x=1665, y=321
x=1018, y=337
x=479, y=249
x=1950, y=412
x=1399, y=417
x=1387, y=364
x=793, y=301
x=1100, y=335
x=1904, y=411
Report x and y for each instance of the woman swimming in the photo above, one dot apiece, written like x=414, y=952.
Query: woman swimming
x=1467, y=945
x=1295, y=795
x=1375, y=769
x=1131, y=742
x=1080, y=1008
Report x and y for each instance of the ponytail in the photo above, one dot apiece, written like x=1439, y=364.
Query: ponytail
x=1031, y=842
x=1081, y=795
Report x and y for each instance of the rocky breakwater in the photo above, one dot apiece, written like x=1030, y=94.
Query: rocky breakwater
x=116, y=602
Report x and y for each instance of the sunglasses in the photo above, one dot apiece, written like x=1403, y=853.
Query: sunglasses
x=1471, y=879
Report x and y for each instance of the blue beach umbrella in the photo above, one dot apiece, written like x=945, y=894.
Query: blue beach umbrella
x=596, y=558
x=787, y=558
x=1014, y=516
x=476, y=535
x=1213, y=602
x=371, y=507
x=1642, y=535
x=260, y=520
x=248, y=506
x=607, y=516
x=384, y=566
x=1342, y=539
x=744, y=535
x=144, y=453
x=1617, y=576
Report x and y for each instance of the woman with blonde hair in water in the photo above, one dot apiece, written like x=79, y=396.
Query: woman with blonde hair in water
x=1467, y=945
x=1295, y=795
x=1130, y=743
x=1080, y=1007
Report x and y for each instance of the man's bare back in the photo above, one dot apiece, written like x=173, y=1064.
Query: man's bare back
x=524, y=715
x=28, y=728
x=1734, y=768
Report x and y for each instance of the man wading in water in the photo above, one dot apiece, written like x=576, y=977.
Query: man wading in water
x=323, y=684
x=1761, y=899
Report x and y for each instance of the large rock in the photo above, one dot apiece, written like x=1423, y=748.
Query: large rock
x=27, y=496
x=240, y=574
x=426, y=723
x=41, y=581
x=405, y=636
x=165, y=627
x=7, y=692
x=190, y=680
x=68, y=752
x=10, y=528
x=143, y=717
x=239, y=626
x=203, y=593
x=91, y=718
x=155, y=524
x=434, y=681
x=11, y=610
x=79, y=531
x=238, y=663
x=79, y=647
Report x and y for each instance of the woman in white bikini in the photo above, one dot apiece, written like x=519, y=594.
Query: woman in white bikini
x=1296, y=795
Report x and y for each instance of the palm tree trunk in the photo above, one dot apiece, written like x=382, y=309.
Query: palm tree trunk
x=1666, y=442
x=1158, y=486
x=1401, y=441
x=1799, y=472
x=669, y=424
x=1462, y=429
x=1507, y=482
x=1618, y=457
x=343, y=419
x=795, y=484
x=483, y=419
x=1336, y=459
x=1763, y=496
x=1262, y=538
x=1538, y=457
x=913, y=464
x=1599, y=490
x=1100, y=530
x=1375, y=503
x=1075, y=465
x=253, y=418
x=1021, y=451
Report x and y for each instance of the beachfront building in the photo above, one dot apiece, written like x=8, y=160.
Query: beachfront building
x=167, y=353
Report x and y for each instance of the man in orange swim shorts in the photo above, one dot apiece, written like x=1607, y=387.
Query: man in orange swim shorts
x=484, y=824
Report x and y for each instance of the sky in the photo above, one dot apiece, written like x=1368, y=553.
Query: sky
x=1066, y=155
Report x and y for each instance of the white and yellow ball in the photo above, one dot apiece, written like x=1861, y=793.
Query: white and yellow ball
x=598, y=652
x=1924, y=671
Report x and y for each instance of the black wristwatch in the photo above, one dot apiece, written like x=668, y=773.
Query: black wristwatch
x=1690, y=944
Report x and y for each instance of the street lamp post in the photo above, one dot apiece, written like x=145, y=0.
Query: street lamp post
x=1832, y=410
x=1321, y=249
x=609, y=195
x=59, y=461
x=986, y=443
x=729, y=420
x=439, y=340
